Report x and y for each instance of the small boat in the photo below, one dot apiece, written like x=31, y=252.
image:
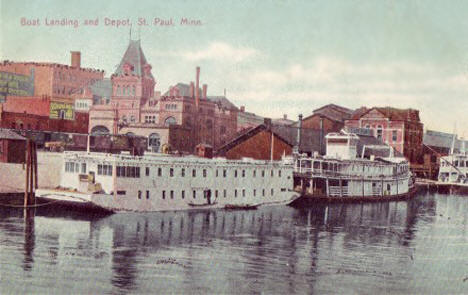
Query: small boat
x=241, y=207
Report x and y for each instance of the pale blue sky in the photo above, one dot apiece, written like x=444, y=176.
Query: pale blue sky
x=274, y=57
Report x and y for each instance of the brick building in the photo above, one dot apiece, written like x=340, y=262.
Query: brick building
x=261, y=143
x=400, y=128
x=135, y=108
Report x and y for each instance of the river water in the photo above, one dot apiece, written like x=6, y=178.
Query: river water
x=418, y=247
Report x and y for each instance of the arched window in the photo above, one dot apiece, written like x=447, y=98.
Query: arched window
x=133, y=90
x=100, y=130
x=154, y=142
x=118, y=90
x=170, y=121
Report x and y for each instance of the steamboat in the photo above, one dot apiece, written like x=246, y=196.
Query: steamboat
x=160, y=182
x=355, y=168
x=453, y=173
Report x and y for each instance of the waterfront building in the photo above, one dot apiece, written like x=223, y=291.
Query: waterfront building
x=261, y=143
x=12, y=147
x=181, y=118
x=399, y=128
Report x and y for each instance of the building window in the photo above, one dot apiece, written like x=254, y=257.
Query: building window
x=216, y=172
x=379, y=131
x=139, y=195
x=183, y=194
x=182, y=172
x=194, y=194
x=271, y=173
x=243, y=173
x=147, y=195
x=243, y=192
x=263, y=173
x=224, y=193
x=172, y=194
x=279, y=173
x=254, y=173
x=204, y=172
x=216, y=193
x=394, y=135
x=164, y=195
x=160, y=171
x=235, y=173
x=194, y=173
x=121, y=192
x=147, y=171
x=224, y=172
x=235, y=193
x=154, y=142
x=170, y=121
x=263, y=192
x=83, y=168
x=171, y=172
x=272, y=192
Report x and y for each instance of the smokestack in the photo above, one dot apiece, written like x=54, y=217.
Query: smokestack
x=197, y=87
x=299, y=129
x=192, y=90
x=75, y=59
x=205, y=89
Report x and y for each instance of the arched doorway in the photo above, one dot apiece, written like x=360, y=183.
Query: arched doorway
x=154, y=142
x=170, y=121
x=99, y=129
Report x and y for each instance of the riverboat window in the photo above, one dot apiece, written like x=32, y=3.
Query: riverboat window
x=147, y=195
x=171, y=172
x=243, y=173
x=70, y=167
x=316, y=165
x=224, y=172
x=159, y=171
x=216, y=193
x=104, y=169
x=235, y=193
x=139, y=194
x=194, y=194
x=254, y=192
x=243, y=192
x=235, y=173
x=194, y=173
x=224, y=193
x=172, y=194
x=83, y=168
x=263, y=192
x=254, y=173
x=263, y=173
x=271, y=173
x=183, y=194
x=388, y=187
x=204, y=172
x=164, y=195
x=121, y=192
x=272, y=192
x=456, y=163
x=279, y=173
x=182, y=172
x=216, y=172
x=147, y=171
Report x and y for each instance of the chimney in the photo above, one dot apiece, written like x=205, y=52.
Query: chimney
x=197, y=87
x=205, y=89
x=267, y=122
x=299, y=131
x=192, y=90
x=242, y=108
x=75, y=59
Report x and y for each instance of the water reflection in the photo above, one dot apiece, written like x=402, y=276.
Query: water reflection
x=272, y=249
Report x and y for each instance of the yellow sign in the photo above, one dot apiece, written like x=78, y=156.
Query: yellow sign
x=60, y=110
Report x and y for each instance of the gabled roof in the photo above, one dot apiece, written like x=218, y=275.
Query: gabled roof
x=8, y=134
x=134, y=56
x=393, y=114
x=443, y=140
x=331, y=111
x=243, y=136
x=310, y=138
x=223, y=101
x=334, y=107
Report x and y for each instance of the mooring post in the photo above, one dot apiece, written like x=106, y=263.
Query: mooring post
x=26, y=181
x=31, y=176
